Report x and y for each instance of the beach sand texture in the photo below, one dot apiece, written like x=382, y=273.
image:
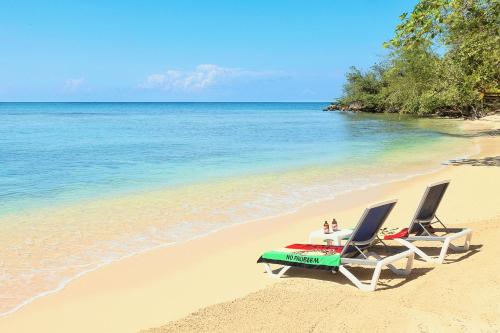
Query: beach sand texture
x=165, y=285
x=460, y=296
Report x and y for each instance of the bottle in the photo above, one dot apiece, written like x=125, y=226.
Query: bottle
x=335, y=225
x=326, y=227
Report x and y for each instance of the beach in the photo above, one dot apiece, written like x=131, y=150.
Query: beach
x=212, y=283
x=457, y=297
x=159, y=162
x=94, y=183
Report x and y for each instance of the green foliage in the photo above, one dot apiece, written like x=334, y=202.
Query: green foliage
x=413, y=82
x=424, y=24
x=444, y=56
x=364, y=87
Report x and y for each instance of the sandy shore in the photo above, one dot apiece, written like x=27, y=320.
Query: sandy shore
x=460, y=296
x=164, y=285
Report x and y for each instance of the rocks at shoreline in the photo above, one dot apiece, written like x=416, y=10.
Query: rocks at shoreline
x=443, y=113
x=355, y=107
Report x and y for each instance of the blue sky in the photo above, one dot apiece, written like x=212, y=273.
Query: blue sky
x=188, y=50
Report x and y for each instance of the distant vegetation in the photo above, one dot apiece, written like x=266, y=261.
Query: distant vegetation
x=444, y=59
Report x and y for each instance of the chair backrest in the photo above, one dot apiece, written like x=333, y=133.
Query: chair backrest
x=365, y=232
x=428, y=205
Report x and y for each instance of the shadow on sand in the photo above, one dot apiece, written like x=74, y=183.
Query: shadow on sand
x=449, y=259
x=365, y=273
x=487, y=161
x=362, y=273
x=477, y=134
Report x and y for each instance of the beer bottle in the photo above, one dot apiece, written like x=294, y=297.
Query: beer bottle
x=326, y=227
x=335, y=225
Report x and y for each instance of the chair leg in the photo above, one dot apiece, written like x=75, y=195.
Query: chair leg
x=409, y=263
x=444, y=249
x=372, y=285
x=270, y=272
x=447, y=244
x=417, y=251
x=465, y=247
x=362, y=286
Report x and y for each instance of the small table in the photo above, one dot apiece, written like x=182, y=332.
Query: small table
x=335, y=236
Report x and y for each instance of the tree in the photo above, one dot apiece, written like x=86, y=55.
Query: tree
x=445, y=55
x=413, y=82
x=469, y=33
x=364, y=88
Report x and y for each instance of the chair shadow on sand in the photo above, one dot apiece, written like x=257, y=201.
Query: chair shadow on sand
x=486, y=161
x=450, y=258
x=386, y=275
x=483, y=133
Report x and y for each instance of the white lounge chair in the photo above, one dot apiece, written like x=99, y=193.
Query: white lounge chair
x=421, y=227
x=356, y=251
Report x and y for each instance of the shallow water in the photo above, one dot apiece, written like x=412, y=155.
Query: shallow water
x=83, y=184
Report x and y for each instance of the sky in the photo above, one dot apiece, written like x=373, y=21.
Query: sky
x=226, y=50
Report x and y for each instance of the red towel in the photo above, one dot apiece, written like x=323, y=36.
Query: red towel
x=315, y=247
x=400, y=234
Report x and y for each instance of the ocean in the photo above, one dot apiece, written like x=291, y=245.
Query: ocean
x=85, y=184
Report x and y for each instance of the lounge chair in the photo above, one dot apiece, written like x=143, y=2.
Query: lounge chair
x=356, y=251
x=421, y=227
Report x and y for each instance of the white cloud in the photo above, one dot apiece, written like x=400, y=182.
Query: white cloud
x=203, y=76
x=73, y=84
x=307, y=92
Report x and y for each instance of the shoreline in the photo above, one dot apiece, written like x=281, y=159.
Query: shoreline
x=152, y=200
x=64, y=283
x=361, y=188
x=350, y=201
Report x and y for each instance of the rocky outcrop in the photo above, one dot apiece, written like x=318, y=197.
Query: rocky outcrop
x=332, y=107
x=356, y=106
x=442, y=113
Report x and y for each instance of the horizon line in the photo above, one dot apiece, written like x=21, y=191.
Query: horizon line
x=6, y=102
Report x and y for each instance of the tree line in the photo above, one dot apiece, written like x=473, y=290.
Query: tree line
x=444, y=59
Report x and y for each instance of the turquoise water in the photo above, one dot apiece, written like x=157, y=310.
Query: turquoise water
x=52, y=153
x=86, y=184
